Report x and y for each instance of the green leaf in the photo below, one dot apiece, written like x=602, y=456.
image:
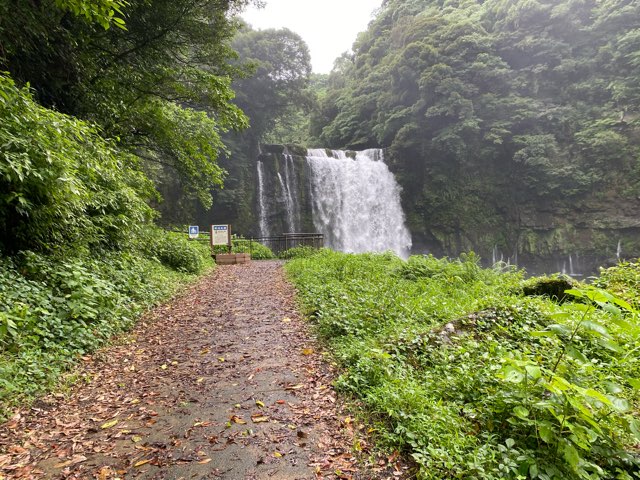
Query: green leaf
x=575, y=293
x=576, y=354
x=533, y=371
x=571, y=455
x=634, y=382
x=634, y=426
x=610, y=345
x=513, y=374
x=620, y=404
x=590, y=392
x=559, y=329
x=546, y=432
x=521, y=412
x=595, y=328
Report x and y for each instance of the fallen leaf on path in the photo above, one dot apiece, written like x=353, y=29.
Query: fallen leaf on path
x=307, y=351
x=286, y=320
x=258, y=418
x=105, y=473
x=237, y=419
x=109, y=424
x=205, y=461
x=142, y=462
x=73, y=461
x=259, y=403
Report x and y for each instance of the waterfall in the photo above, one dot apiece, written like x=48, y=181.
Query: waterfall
x=290, y=191
x=571, y=272
x=619, y=250
x=355, y=202
x=262, y=202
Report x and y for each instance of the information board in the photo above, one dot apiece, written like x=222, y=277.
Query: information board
x=220, y=235
x=194, y=231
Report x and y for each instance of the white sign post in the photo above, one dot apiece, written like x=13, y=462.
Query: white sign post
x=221, y=235
x=194, y=231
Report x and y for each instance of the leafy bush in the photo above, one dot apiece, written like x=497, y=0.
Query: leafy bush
x=472, y=379
x=242, y=245
x=174, y=250
x=303, y=251
x=257, y=250
x=622, y=280
x=465, y=269
x=61, y=183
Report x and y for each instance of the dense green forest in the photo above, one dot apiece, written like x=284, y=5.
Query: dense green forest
x=509, y=123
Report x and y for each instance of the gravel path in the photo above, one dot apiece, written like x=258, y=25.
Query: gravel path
x=222, y=383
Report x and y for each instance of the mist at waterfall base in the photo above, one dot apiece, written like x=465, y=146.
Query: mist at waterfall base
x=355, y=201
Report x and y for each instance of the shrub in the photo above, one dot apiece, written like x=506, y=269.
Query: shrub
x=174, y=250
x=623, y=280
x=61, y=183
x=242, y=245
x=302, y=251
x=470, y=378
x=55, y=308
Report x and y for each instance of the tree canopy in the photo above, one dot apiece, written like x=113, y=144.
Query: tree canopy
x=160, y=85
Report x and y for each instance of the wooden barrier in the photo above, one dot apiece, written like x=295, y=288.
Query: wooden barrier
x=232, y=258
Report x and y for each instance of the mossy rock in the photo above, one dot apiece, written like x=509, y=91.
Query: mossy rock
x=272, y=148
x=552, y=287
x=297, y=150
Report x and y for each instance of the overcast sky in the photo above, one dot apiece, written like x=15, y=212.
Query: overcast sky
x=328, y=26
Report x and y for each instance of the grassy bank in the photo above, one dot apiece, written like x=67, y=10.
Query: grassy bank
x=57, y=307
x=455, y=367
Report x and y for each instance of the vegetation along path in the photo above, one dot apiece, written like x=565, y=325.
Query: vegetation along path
x=223, y=383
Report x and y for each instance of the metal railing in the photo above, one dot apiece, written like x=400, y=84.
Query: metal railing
x=277, y=244
x=280, y=243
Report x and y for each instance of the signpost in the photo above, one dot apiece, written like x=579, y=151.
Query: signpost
x=194, y=231
x=221, y=235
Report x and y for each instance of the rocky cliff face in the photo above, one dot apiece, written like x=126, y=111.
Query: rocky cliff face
x=490, y=210
x=282, y=163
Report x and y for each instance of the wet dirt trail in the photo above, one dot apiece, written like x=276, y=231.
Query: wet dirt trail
x=222, y=383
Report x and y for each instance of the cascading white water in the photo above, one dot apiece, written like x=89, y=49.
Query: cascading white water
x=619, y=250
x=289, y=190
x=262, y=202
x=356, y=202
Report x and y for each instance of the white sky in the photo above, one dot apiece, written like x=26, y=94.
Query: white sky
x=328, y=26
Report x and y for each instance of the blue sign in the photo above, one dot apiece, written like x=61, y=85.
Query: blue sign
x=194, y=231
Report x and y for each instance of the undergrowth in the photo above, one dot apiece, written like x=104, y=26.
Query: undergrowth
x=257, y=250
x=57, y=307
x=470, y=378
